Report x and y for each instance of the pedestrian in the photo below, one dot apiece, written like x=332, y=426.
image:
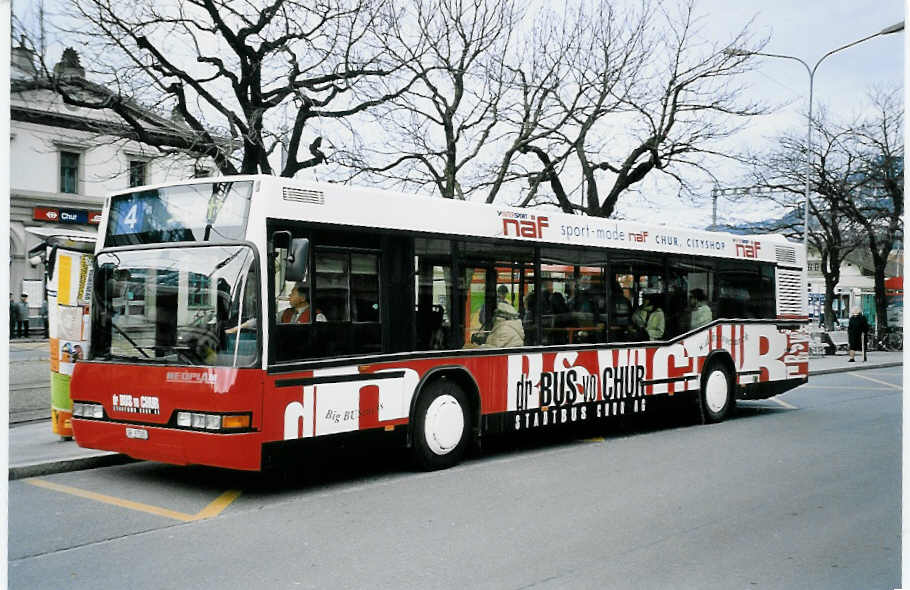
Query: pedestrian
x=13, y=316
x=22, y=319
x=856, y=332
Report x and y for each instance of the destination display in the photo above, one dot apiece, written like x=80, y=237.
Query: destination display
x=189, y=213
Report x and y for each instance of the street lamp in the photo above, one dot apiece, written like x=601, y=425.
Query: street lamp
x=742, y=52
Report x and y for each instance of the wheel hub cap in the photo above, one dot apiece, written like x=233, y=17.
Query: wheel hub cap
x=444, y=424
x=716, y=391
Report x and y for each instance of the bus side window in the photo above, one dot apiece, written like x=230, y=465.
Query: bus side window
x=330, y=289
x=365, y=287
x=745, y=291
x=433, y=291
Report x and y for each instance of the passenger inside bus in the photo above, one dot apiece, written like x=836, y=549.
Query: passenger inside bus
x=621, y=317
x=507, y=330
x=580, y=299
x=701, y=313
x=677, y=302
x=561, y=320
x=431, y=330
x=648, y=319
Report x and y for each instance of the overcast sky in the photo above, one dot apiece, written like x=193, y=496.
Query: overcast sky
x=806, y=29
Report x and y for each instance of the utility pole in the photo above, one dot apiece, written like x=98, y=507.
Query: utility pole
x=714, y=207
x=739, y=191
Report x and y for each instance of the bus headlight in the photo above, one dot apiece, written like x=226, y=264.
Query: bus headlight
x=84, y=410
x=213, y=422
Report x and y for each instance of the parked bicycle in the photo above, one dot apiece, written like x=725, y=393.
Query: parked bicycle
x=890, y=339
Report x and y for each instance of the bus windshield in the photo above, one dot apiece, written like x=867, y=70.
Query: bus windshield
x=185, y=213
x=186, y=306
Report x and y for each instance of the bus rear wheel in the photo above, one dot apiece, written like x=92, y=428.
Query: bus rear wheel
x=716, y=395
x=442, y=426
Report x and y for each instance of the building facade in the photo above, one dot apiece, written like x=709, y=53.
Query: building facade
x=856, y=287
x=65, y=159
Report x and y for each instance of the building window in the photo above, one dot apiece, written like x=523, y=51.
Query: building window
x=199, y=286
x=137, y=173
x=69, y=172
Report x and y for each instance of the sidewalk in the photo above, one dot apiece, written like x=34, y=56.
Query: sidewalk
x=839, y=363
x=34, y=450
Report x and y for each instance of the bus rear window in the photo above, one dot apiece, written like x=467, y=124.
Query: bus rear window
x=189, y=213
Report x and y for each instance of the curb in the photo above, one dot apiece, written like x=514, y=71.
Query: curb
x=857, y=368
x=66, y=465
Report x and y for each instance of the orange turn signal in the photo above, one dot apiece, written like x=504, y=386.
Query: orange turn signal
x=242, y=421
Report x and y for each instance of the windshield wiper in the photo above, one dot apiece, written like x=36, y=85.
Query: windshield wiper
x=181, y=352
x=130, y=340
x=135, y=359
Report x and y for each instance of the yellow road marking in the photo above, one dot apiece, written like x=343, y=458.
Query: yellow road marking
x=595, y=439
x=781, y=402
x=210, y=511
x=219, y=504
x=874, y=380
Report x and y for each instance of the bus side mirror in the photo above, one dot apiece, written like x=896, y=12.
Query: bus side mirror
x=291, y=257
x=298, y=258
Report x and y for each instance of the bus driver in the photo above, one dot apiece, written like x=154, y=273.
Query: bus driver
x=299, y=311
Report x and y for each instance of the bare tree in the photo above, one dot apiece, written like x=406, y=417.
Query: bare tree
x=494, y=98
x=603, y=58
x=531, y=115
x=431, y=135
x=230, y=69
x=655, y=99
x=835, y=181
x=877, y=142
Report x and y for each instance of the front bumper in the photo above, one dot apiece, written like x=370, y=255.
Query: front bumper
x=168, y=445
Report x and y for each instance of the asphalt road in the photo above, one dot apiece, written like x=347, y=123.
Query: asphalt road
x=798, y=492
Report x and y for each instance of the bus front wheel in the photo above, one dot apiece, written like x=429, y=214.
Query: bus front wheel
x=716, y=396
x=442, y=425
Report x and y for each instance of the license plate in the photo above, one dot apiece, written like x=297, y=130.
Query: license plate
x=137, y=433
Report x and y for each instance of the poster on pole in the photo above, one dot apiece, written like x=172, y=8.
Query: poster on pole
x=69, y=285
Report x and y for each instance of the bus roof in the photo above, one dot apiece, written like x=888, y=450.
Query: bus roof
x=339, y=204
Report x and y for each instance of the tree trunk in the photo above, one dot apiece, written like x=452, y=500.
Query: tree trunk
x=881, y=299
x=829, y=301
x=830, y=267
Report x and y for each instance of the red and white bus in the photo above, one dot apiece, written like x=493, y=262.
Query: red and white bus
x=241, y=320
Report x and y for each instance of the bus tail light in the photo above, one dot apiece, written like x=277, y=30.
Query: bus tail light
x=212, y=422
